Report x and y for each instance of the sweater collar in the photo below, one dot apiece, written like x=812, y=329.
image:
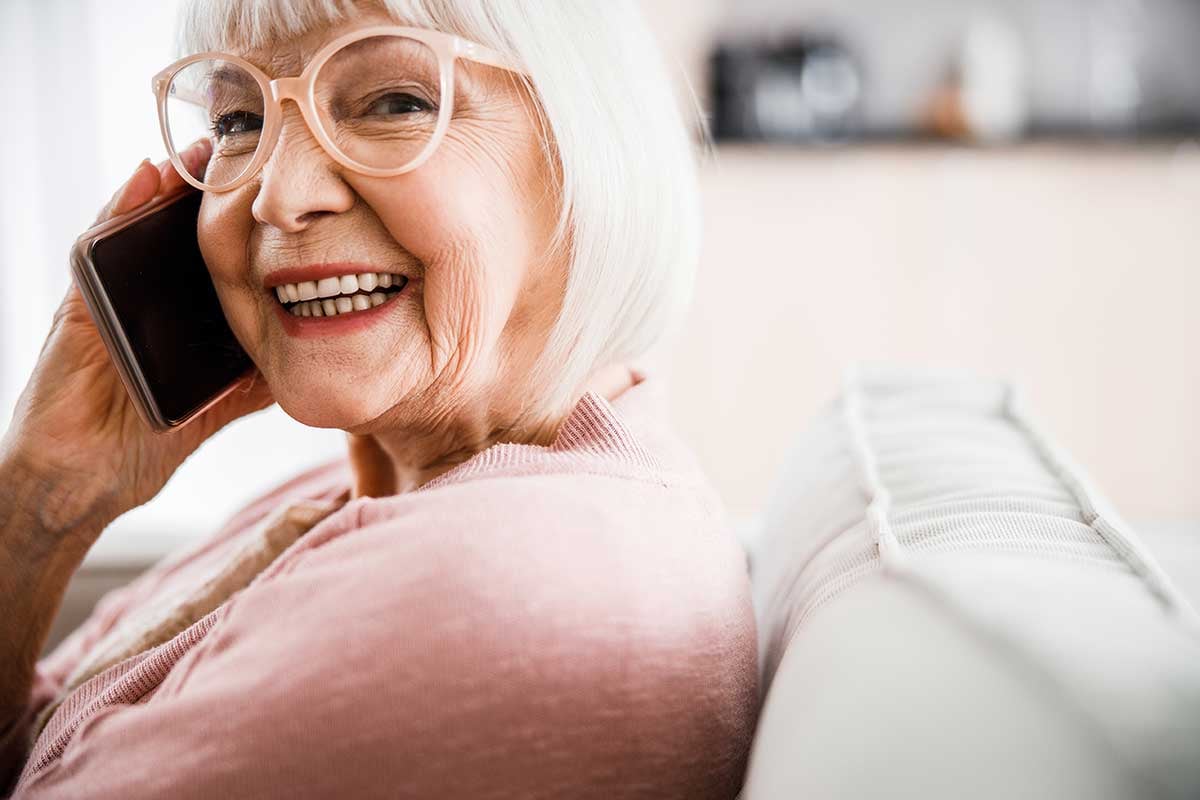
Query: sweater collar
x=596, y=432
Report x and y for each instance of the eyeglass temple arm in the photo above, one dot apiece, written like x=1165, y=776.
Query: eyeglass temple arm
x=182, y=94
x=486, y=55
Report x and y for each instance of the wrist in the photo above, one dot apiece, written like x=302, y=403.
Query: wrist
x=63, y=509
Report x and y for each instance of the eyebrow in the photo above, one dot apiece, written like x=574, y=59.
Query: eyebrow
x=229, y=81
x=233, y=75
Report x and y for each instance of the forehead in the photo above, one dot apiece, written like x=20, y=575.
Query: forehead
x=289, y=55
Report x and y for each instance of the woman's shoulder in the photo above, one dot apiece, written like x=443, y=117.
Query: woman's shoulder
x=567, y=559
x=585, y=512
x=565, y=604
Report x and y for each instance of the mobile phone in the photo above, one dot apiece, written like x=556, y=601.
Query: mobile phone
x=145, y=283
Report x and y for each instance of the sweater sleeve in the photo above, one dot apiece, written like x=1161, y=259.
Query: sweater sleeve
x=441, y=654
x=14, y=740
x=52, y=670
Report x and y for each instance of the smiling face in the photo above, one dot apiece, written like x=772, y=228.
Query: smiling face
x=465, y=235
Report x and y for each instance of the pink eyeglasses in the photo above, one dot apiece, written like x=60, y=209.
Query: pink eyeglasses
x=378, y=99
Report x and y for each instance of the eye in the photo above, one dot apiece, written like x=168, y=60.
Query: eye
x=399, y=103
x=236, y=122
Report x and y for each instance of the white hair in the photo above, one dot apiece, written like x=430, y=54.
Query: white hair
x=629, y=221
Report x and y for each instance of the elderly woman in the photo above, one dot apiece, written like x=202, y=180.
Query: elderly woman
x=453, y=237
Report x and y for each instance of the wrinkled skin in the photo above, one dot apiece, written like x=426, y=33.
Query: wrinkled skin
x=444, y=375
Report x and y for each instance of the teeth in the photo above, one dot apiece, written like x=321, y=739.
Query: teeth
x=341, y=305
x=332, y=287
x=342, y=294
x=328, y=287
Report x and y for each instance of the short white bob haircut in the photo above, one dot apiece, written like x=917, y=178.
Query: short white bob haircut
x=630, y=209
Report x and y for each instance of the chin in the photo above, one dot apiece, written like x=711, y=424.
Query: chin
x=343, y=407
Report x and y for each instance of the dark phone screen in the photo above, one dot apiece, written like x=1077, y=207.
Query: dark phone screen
x=160, y=289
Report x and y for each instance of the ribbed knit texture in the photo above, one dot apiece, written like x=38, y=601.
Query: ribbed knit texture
x=168, y=615
x=605, y=573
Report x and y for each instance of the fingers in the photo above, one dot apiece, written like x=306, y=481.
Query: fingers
x=149, y=181
x=139, y=189
x=194, y=159
x=169, y=178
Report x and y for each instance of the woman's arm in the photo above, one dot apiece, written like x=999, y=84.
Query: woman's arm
x=75, y=457
x=46, y=529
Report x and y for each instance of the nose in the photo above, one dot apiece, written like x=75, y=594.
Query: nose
x=299, y=183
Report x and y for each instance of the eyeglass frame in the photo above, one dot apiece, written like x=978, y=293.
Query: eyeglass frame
x=300, y=89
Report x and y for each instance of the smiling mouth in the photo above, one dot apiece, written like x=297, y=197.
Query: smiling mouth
x=345, y=294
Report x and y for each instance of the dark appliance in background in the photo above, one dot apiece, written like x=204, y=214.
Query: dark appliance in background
x=795, y=89
x=809, y=71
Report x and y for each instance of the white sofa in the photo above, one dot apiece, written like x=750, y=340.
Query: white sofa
x=948, y=608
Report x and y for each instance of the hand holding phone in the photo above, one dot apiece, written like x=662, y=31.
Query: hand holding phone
x=75, y=424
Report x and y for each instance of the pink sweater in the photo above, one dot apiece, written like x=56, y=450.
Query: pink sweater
x=564, y=621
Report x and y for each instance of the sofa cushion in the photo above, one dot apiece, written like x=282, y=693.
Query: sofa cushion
x=947, y=604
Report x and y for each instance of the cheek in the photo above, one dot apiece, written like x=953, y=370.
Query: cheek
x=471, y=246
x=223, y=232
x=440, y=209
x=223, y=235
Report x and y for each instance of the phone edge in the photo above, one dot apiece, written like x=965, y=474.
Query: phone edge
x=115, y=341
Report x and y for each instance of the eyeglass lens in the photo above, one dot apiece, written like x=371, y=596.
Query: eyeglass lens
x=377, y=99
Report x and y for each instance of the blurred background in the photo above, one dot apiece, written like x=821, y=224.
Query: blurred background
x=1008, y=186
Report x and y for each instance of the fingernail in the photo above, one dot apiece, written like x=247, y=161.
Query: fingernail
x=136, y=170
x=121, y=192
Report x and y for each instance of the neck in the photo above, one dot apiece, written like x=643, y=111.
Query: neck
x=394, y=462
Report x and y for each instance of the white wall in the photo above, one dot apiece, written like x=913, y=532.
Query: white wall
x=1074, y=271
